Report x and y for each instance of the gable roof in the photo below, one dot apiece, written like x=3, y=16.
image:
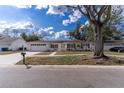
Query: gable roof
x=7, y=40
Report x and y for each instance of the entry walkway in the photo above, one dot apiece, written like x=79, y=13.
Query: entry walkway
x=52, y=54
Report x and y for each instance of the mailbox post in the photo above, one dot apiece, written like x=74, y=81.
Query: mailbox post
x=23, y=53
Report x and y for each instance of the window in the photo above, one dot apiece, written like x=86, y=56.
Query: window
x=54, y=45
x=70, y=45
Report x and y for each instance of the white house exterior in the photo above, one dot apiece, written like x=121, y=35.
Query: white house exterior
x=9, y=43
x=64, y=45
x=58, y=45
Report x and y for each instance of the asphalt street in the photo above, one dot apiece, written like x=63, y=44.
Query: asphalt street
x=62, y=77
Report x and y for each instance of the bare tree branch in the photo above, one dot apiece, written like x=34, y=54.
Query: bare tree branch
x=103, y=8
x=79, y=8
x=90, y=14
x=94, y=8
x=108, y=14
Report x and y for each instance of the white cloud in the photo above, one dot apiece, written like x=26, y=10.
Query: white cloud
x=23, y=6
x=15, y=29
x=72, y=18
x=61, y=35
x=18, y=27
x=57, y=10
x=52, y=9
x=49, y=33
x=41, y=6
x=3, y=22
x=66, y=22
x=48, y=28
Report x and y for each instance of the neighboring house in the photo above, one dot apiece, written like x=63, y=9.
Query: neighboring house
x=9, y=43
x=64, y=45
x=113, y=43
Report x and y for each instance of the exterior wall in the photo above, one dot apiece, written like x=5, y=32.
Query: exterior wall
x=18, y=44
x=61, y=46
x=38, y=47
x=108, y=46
x=64, y=46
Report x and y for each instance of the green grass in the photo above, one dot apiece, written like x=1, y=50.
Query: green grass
x=44, y=53
x=8, y=52
x=71, y=60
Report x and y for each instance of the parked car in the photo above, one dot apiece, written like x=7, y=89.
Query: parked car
x=117, y=49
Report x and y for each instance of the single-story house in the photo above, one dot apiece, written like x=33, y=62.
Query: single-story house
x=63, y=45
x=113, y=43
x=58, y=45
x=9, y=43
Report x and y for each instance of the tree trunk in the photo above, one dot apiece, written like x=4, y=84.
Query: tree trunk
x=99, y=45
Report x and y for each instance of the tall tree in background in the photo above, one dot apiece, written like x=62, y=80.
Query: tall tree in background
x=77, y=33
x=24, y=36
x=32, y=37
x=82, y=32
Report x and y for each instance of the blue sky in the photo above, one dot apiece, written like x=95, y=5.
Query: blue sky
x=53, y=22
x=39, y=18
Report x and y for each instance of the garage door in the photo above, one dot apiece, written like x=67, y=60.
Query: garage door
x=4, y=49
x=38, y=48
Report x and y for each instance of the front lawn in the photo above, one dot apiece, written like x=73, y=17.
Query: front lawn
x=71, y=60
x=73, y=52
x=8, y=52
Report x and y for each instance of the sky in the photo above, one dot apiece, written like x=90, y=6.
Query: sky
x=49, y=21
x=53, y=22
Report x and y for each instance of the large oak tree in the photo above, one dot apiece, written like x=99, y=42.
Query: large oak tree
x=98, y=16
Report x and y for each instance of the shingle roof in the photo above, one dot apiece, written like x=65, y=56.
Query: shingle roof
x=73, y=41
x=7, y=40
x=57, y=41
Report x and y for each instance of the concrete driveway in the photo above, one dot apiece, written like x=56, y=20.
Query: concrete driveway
x=62, y=77
x=11, y=59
